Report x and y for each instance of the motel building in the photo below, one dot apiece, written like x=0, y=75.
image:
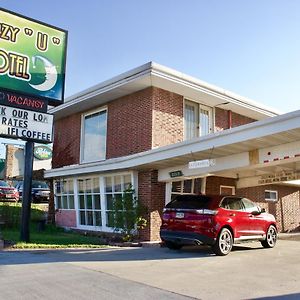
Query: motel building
x=167, y=133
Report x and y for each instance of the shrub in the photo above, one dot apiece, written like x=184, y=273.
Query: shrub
x=128, y=214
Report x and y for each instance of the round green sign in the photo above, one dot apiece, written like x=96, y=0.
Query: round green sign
x=42, y=152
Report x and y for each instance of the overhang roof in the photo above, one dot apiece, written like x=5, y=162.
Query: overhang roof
x=270, y=132
x=153, y=74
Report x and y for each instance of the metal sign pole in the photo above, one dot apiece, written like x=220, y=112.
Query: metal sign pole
x=26, y=199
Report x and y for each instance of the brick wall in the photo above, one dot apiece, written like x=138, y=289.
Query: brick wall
x=65, y=218
x=286, y=210
x=129, y=124
x=222, y=119
x=152, y=194
x=213, y=184
x=167, y=118
x=66, y=145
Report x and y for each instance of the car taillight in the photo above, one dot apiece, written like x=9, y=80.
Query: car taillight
x=166, y=216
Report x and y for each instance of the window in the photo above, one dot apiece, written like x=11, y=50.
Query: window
x=186, y=187
x=89, y=202
x=249, y=206
x=93, y=140
x=114, y=187
x=198, y=120
x=271, y=195
x=227, y=190
x=232, y=203
x=64, y=194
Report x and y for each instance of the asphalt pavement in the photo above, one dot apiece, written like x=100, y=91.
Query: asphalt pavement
x=248, y=272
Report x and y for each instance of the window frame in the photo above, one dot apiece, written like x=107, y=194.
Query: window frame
x=271, y=199
x=228, y=187
x=104, y=228
x=82, y=137
x=63, y=194
x=199, y=106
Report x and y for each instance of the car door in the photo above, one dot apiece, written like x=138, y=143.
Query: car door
x=256, y=222
x=236, y=216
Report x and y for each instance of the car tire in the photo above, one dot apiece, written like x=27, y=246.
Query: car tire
x=271, y=237
x=224, y=243
x=173, y=246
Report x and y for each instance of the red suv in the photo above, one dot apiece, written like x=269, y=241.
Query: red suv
x=218, y=221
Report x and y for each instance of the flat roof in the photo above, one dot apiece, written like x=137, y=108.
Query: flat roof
x=156, y=75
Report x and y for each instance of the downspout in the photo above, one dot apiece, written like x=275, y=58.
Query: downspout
x=229, y=113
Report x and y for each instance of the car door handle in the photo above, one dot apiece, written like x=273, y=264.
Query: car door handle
x=232, y=215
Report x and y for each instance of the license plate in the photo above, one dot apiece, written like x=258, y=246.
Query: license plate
x=179, y=215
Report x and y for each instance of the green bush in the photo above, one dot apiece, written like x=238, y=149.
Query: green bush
x=128, y=214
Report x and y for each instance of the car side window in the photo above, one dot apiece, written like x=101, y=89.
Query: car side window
x=232, y=203
x=249, y=205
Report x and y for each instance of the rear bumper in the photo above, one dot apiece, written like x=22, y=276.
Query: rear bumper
x=186, y=238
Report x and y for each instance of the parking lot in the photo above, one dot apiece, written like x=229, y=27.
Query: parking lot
x=248, y=272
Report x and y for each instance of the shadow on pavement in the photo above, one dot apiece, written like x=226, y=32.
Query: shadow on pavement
x=17, y=257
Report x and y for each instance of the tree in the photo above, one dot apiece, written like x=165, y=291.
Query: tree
x=128, y=214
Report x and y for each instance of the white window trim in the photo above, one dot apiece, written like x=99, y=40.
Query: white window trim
x=103, y=228
x=228, y=187
x=270, y=199
x=211, y=112
x=55, y=195
x=82, y=141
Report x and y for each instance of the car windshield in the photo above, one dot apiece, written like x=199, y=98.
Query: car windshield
x=190, y=202
x=3, y=183
x=39, y=185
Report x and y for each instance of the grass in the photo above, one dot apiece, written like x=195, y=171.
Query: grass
x=51, y=237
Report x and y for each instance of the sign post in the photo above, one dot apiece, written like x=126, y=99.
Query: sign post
x=32, y=75
x=26, y=201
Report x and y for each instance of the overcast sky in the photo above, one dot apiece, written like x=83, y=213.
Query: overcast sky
x=249, y=47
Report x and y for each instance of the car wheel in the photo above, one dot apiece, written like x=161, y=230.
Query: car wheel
x=271, y=237
x=224, y=243
x=173, y=246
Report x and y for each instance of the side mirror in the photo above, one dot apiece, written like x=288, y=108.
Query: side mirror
x=256, y=213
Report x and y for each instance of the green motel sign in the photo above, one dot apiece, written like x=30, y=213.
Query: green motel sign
x=32, y=57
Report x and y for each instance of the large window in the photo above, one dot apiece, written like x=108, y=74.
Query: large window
x=92, y=197
x=64, y=194
x=114, y=186
x=89, y=202
x=93, y=140
x=198, y=120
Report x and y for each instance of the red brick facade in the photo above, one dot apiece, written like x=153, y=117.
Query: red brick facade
x=135, y=123
x=129, y=124
x=167, y=118
x=222, y=119
x=213, y=184
x=66, y=145
x=65, y=218
x=151, y=193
